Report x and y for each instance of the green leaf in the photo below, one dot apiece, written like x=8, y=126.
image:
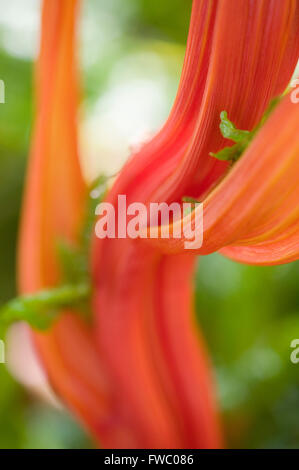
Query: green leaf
x=229, y=153
x=242, y=138
x=40, y=310
x=229, y=130
x=73, y=262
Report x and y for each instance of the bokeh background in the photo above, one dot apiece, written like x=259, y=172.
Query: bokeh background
x=131, y=53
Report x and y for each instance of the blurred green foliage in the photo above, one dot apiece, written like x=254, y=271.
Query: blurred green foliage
x=15, y=118
x=249, y=315
x=165, y=19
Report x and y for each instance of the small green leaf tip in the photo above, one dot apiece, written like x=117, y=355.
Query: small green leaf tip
x=241, y=138
x=40, y=310
x=229, y=131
